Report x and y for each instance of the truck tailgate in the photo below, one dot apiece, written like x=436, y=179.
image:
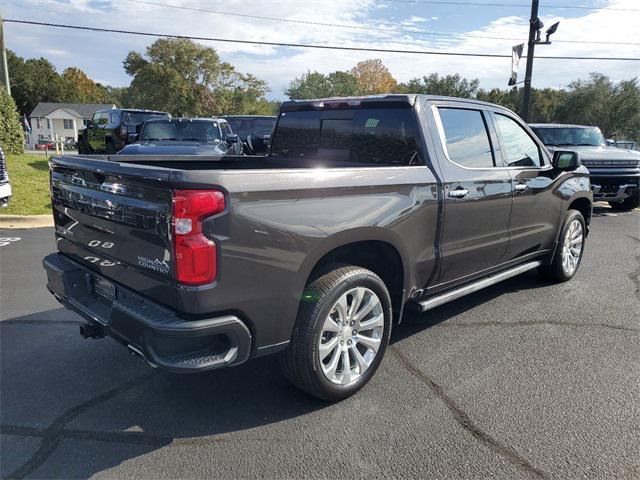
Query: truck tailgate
x=115, y=219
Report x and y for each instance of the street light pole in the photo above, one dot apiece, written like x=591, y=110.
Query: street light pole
x=533, y=26
x=3, y=64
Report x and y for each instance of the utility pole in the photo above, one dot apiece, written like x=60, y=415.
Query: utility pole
x=533, y=23
x=4, y=70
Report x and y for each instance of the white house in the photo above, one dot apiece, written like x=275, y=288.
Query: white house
x=63, y=119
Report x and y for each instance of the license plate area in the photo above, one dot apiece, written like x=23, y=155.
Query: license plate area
x=103, y=290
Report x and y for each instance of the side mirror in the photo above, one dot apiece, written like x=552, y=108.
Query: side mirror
x=133, y=137
x=231, y=138
x=566, y=160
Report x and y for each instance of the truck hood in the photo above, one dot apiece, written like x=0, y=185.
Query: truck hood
x=600, y=153
x=174, y=148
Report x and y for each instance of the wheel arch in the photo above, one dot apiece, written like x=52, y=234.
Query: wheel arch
x=584, y=205
x=375, y=249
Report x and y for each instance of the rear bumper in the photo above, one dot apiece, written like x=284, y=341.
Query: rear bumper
x=147, y=328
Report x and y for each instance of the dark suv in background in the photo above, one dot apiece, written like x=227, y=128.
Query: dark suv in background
x=254, y=131
x=110, y=130
x=185, y=136
x=614, y=172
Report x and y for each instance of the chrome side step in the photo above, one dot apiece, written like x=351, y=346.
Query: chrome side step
x=432, y=302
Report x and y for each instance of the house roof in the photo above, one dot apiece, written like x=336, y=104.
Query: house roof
x=82, y=110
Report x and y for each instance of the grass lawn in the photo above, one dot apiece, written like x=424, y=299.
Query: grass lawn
x=29, y=176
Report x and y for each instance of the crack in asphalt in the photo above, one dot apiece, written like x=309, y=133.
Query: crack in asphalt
x=52, y=435
x=461, y=417
x=496, y=323
x=634, y=276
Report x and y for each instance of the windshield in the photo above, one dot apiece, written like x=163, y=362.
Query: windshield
x=372, y=135
x=141, y=117
x=193, y=131
x=575, y=136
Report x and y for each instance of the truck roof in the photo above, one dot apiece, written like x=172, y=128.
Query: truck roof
x=409, y=98
x=248, y=116
x=187, y=119
x=559, y=125
x=135, y=110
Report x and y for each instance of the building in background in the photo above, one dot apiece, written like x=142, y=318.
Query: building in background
x=63, y=119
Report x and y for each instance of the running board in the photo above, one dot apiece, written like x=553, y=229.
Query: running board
x=432, y=302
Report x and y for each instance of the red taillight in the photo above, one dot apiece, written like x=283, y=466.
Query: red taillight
x=195, y=254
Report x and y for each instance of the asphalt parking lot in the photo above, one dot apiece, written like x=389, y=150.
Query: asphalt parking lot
x=522, y=380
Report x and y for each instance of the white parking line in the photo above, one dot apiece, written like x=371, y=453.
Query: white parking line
x=4, y=241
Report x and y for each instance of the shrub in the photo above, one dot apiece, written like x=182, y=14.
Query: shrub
x=11, y=133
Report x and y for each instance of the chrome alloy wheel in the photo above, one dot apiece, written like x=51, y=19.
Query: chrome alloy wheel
x=572, y=247
x=351, y=336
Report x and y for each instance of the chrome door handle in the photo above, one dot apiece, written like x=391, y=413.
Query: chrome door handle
x=520, y=187
x=458, y=193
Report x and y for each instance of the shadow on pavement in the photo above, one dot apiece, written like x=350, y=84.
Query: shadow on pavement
x=59, y=388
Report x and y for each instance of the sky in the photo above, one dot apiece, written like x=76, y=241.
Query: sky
x=387, y=24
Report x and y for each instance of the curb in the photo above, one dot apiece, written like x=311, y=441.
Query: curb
x=26, y=221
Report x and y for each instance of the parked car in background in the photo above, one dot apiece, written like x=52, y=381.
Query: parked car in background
x=615, y=172
x=185, y=136
x=363, y=206
x=45, y=145
x=626, y=144
x=254, y=131
x=5, y=185
x=110, y=130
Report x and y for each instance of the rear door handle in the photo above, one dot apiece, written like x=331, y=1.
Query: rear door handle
x=458, y=193
x=520, y=187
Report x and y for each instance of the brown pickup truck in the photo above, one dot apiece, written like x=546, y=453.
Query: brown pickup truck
x=364, y=207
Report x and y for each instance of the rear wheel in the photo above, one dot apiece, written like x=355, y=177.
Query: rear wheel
x=83, y=148
x=568, y=254
x=111, y=148
x=341, y=333
x=628, y=203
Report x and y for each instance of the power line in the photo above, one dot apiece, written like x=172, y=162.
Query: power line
x=515, y=5
x=361, y=27
x=305, y=45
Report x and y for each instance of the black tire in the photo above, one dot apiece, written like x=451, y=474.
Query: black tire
x=628, y=203
x=83, y=149
x=111, y=148
x=300, y=362
x=556, y=271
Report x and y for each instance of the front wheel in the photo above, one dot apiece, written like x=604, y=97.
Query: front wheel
x=341, y=333
x=570, y=249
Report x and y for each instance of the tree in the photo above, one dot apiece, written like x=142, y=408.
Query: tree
x=318, y=85
x=615, y=108
x=449, y=85
x=77, y=87
x=33, y=81
x=185, y=78
x=11, y=133
x=372, y=77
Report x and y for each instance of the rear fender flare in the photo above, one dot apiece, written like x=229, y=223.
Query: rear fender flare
x=363, y=234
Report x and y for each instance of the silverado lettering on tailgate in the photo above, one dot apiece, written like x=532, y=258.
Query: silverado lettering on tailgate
x=110, y=210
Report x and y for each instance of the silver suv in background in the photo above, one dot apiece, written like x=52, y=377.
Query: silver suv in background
x=5, y=186
x=614, y=172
